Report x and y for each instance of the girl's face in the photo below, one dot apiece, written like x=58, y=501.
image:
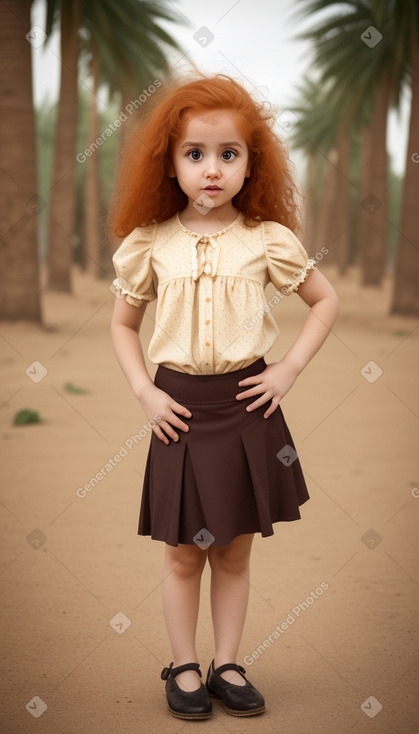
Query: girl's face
x=211, y=161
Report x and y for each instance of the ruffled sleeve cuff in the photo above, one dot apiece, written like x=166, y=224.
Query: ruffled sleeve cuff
x=287, y=261
x=135, y=279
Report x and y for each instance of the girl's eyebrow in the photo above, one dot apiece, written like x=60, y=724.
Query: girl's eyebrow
x=202, y=145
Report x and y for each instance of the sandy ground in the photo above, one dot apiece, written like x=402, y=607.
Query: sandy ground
x=82, y=627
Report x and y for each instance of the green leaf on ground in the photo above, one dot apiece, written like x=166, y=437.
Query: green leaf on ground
x=69, y=387
x=26, y=415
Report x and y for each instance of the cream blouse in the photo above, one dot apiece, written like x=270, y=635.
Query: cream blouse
x=212, y=316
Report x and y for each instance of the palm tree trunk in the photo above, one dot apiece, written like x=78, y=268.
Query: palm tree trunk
x=373, y=227
x=125, y=131
x=20, y=203
x=406, y=291
x=310, y=218
x=325, y=216
x=93, y=230
x=340, y=232
x=62, y=203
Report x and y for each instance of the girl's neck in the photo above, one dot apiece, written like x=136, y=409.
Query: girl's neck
x=209, y=223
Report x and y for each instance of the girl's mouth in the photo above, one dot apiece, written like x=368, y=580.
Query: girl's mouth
x=212, y=189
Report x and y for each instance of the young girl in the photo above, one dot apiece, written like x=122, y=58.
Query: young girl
x=207, y=206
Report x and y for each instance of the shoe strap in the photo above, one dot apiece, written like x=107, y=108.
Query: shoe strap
x=171, y=671
x=228, y=666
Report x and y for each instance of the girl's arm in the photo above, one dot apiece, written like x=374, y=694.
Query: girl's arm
x=278, y=377
x=125, y=327
x=319, y=294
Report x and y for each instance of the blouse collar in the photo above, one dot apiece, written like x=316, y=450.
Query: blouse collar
x=207, y=234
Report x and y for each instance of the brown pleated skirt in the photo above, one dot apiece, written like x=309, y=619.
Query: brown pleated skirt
x=233, y=472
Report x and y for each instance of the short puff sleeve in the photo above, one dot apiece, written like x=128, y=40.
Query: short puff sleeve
x=133, y=267
x=287, y=260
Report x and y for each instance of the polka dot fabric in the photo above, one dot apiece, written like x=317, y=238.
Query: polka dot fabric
x=212, y=316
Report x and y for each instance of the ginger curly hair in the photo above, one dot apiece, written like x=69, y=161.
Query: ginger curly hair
x=144, y=193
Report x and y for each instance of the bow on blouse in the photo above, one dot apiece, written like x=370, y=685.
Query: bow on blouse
x=205, y=253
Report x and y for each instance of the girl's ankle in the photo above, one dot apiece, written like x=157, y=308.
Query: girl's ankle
x=222, y=660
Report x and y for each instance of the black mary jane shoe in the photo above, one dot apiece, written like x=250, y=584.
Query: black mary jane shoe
x=186, y=704
x=238, y=700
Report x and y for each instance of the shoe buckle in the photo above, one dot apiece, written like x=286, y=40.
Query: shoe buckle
x=165, y=674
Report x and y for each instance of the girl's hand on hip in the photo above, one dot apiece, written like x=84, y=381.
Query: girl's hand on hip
x=157, y=402
x=274, y=382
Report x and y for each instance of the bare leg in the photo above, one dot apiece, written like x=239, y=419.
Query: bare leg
x=230, y=574
x=183, y=566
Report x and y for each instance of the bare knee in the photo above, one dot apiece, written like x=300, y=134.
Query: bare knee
x=184, y=560
x=233, y=558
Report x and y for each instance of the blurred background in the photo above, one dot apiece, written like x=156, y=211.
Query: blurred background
x=339, y=74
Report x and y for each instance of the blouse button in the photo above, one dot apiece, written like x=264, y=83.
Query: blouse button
x=207, y=344
x=207, y=321
x=208, y=300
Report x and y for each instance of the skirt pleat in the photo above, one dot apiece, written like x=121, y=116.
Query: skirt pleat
x=224, y=475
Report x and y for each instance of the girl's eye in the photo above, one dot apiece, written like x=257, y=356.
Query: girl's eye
x=194, y=154
x=229, y=154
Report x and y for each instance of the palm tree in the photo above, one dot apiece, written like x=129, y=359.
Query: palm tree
x=406, y=292
x=341, y=211
x=62, y=201
x=19, y=270
x=127, y=37
x=112, y=53
x=312, y=136
x=364, y=52
x=327, y=145
x=93, y=232
x=373, y=210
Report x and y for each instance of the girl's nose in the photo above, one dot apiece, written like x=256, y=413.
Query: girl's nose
x=212, y=167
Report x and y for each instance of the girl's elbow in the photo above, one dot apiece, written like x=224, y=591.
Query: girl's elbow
x=328, y=300
x=330, y=296
x=334, y=304
x=336, y=299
